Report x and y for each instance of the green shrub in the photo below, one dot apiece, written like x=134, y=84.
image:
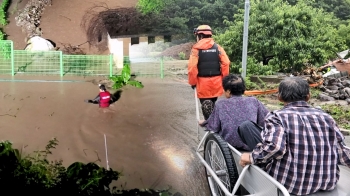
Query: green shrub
x=315, y=92
x=249, y=84
x=2, y=35
x=340, y=114
x=34, y=174
x=253, y=68
x=3, y=10
x=125, y=79
x=182, y=56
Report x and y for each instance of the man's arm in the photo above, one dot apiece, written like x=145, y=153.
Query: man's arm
x=343, y=151
x=96, y=100
x=343, y=154
x=192, y=67
x=273, y=144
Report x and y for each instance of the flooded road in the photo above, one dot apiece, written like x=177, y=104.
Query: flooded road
x=151, y=132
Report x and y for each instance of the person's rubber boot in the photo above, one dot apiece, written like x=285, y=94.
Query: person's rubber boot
x=207, y=108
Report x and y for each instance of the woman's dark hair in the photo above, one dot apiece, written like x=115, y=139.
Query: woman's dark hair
x=234, y=83
x=102, y=87
x=293, y=89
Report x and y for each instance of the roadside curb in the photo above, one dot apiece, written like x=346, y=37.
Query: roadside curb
x=345, y=132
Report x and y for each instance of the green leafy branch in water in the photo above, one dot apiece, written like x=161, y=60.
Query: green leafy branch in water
x=125, y=79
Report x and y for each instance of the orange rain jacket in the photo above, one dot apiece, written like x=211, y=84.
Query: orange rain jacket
x=207, y=87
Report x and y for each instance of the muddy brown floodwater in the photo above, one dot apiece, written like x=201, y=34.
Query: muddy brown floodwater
x=151, y=132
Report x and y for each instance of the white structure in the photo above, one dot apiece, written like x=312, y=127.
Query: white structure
x=118, y=47
x=37, y=43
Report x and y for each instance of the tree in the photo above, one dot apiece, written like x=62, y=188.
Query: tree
x=181, y=16
x=288, y=35
x=340, y=8
x=344, y=32
x=149, y=6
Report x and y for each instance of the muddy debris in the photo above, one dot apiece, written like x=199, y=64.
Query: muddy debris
x=336, y=87
x=174, y=51
x=29, y=17
x=73, y=50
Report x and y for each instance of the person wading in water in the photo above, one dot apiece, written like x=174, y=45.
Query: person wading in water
x=104, y=98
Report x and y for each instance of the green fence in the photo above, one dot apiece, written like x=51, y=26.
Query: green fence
x=158, y=67
x=22, y=62
x=88, y=65
x=37, y=63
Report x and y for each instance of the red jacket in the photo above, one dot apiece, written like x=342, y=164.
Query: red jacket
x=105, y=97
x=207, y=87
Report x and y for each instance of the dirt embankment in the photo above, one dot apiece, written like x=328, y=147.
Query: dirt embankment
x=175, y=51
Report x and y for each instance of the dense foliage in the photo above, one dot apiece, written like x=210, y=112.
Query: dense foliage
x=344, y=32
x=181, y=16
x=34, y=174
x=3, y=21
x=149, y=6
x=189, y=14
x=3, y=11
x=340, y=8
x=288, y=36
x=285, y=34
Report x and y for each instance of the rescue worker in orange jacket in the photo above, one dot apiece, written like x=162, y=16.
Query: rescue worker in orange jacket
x=207, y=65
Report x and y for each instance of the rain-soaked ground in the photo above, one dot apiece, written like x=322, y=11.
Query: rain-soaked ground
x=151, y=132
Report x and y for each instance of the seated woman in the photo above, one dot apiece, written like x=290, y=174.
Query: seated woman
x=228, y=114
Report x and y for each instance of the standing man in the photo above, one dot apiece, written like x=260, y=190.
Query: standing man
x=207, y=65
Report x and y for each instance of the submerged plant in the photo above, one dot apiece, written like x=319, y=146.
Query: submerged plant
x=125, y=79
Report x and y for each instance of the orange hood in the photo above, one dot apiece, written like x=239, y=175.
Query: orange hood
x=204, y=44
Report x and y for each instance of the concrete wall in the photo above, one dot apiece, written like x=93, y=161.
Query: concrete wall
x=119, y=48
x=126, y=46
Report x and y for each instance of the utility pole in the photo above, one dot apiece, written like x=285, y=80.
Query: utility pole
x=245, y=38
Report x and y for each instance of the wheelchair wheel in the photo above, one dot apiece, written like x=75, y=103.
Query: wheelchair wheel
x=218, y=155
